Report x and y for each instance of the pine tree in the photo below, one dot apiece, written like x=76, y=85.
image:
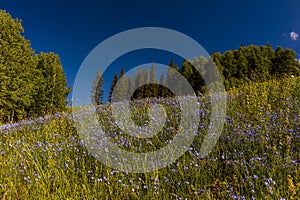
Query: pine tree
x=172, y=64
x=153, y=87
x=30, y=85
x=97, y=92
x=138, y=82
x=121, y=91
x=169, y=77
x=161, y=90
x=187, y=71
x=51, y=93
x=122, y=73
x=172, y=79
x=198, y=82
x=145, y=87
x=113, y=84
x=17, y=69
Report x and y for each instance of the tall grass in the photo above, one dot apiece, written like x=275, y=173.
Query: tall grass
x=256, y=157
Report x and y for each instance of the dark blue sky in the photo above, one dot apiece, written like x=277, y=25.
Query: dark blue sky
x=73, y=28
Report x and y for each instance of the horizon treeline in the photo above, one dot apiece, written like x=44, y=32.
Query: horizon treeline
x=238, y=67
x=31, y=85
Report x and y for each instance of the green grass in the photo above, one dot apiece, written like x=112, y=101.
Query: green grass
x=254, y=158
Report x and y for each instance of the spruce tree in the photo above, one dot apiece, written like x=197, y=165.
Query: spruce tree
x=51, y=93
x=113, y=84
x=153, y=87
x=17, y=69
x=161, y=90
x=97, y=91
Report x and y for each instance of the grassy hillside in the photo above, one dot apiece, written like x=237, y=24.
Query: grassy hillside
x=256, y=157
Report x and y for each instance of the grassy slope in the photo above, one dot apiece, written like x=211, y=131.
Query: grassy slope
x=255, y=157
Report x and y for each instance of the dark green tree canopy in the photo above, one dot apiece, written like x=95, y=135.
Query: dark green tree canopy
x=30, y=85
x=256, y=63
x=238, y=67
x=51, y=92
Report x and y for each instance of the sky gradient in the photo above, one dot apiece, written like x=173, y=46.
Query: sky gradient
x=73, y=28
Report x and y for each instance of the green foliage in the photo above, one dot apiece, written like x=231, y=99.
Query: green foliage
x=256, y=64
x=30, y=85
x=237, y=67
x=16, y=70
x=51, y=93
x=284, y=63
x=113, y=84
x=160, y=86
x=97, y=92
x=122, y=92
x=153, y=87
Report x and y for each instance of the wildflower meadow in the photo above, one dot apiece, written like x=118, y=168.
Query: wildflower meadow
x=256, y=157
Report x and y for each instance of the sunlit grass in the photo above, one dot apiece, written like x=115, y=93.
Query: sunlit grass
x=256, y=157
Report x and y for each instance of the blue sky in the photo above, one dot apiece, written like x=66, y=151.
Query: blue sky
x=73, y=28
